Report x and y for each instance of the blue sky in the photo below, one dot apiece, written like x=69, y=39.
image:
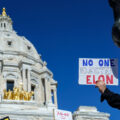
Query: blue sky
x=64, y=31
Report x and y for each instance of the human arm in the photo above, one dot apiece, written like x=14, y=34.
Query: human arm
x=113, y=99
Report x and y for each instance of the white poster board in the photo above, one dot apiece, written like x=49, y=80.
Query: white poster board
x=91, y=70
x=62, y=115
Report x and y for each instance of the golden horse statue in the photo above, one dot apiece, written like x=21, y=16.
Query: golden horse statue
x=17, y=94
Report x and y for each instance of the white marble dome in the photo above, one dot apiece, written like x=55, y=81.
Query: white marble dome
x=11, y=42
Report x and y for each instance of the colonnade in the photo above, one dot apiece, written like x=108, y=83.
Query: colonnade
x=47, y=87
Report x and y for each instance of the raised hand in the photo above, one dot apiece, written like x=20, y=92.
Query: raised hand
x=100, y=85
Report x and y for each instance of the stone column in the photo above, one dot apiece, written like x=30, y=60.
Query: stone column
x=55, y=97
x=49, y=92
x=2, y=84
x=24, y=79
x=28, y=81
x=46, y=91
x=40, y=89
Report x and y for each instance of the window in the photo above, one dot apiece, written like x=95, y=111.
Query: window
x=52, y=94
x=28, y=47
x=10, y=85
x=9, y=43
x=33, y=89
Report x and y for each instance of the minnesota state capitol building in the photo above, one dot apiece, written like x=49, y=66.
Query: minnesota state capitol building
x=27, y=87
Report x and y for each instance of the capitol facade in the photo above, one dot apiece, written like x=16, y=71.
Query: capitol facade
x=28, y=90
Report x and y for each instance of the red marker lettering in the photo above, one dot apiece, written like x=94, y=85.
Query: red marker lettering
x=101, y=77
x=88, y=79
x=109, y=80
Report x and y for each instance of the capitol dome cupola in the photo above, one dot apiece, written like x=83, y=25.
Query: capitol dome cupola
x=5, y=22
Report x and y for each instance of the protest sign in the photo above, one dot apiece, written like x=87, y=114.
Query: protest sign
x=62, y=115
x=91, y=70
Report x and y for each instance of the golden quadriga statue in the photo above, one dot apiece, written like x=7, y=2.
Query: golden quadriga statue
x=17, y=94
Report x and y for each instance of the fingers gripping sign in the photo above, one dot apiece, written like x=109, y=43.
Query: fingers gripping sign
x=100, y=72
x=100, y=85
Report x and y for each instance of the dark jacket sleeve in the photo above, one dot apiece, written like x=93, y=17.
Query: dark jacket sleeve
x=112, y=98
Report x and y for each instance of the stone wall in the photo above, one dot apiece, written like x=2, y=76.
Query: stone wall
x=89, y=113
